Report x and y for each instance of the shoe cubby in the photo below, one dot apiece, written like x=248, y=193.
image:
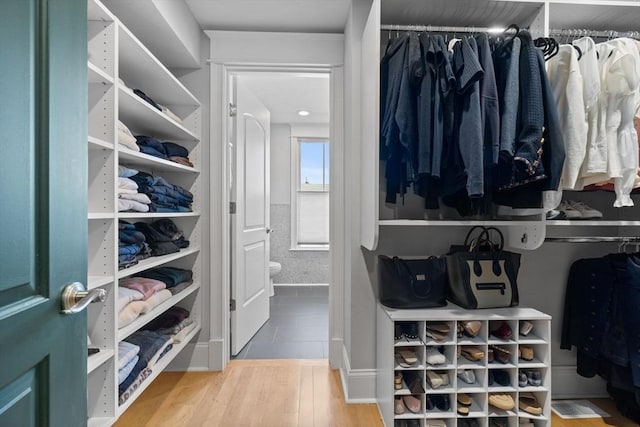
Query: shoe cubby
x=476, y=408
x=439, y=333
x=533, y=355
x=498, y=378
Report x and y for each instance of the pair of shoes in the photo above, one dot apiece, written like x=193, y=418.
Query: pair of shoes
x=525, y=352
x=397, y=381
x=501, y=354
x=435, y=379
x=434, y=357
x=438, y=401
x=464, y=403
x=406, y=357
x=467, y=375
x=525, y=327
x=472, y=352
x=501, y=377
x=408, y=330
x=578, y=210
x=529, y=377
x=502, y=331
x=501, y=401
x=408, y=402
x=471, y=327
x=527, y=402
x=437, y=330
x=413, y=380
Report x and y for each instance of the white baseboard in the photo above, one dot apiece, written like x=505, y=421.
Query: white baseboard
x=194, y=357
x=217, y=361
x=300, y=284
x=567, y=384
x=358, y=385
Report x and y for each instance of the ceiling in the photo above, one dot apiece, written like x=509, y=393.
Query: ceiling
x=309, y=16
x=286, y=94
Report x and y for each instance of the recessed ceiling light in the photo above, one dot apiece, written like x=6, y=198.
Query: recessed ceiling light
x=303, y=113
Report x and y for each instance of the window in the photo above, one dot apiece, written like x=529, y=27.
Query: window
x=310, y=216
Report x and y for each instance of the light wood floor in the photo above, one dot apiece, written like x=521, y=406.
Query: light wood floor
x=272, y=393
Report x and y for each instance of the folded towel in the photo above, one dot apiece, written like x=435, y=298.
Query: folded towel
x=145, y=286
x=127, y=184
x=155, y=300
x=131, y=205
x=126, y=296
x=137, y=197
x=126, y=370
x=130, y=313
x=126, y=352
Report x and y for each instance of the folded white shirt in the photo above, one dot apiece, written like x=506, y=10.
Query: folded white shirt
x=126, y=138
x=127, y=184
x=131, y=205
x=138, y=197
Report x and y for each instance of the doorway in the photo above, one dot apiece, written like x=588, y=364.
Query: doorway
x=280, y=284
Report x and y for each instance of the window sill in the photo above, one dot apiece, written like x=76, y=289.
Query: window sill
x=309, y=248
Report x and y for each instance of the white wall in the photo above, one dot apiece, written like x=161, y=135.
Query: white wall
x=280, y=164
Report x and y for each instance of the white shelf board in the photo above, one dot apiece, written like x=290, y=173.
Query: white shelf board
x=594, y=15
x=96, y=11
x=140, y=69
x=135, y=158
x=533, y=389
x=100, y=421
x=501, y=389
x=471, y=389
x=148, y=263
x=143, y=319
x=452, y=311
x=142, y=215
x=440, y=390
x=462, y=223
x=406, y=343
x=100, y=215
x=595, y=223
x=158, y=368
x=96, y=75
x=99, y=144
x=97, y=281
x=143, y=118
x=95, y=360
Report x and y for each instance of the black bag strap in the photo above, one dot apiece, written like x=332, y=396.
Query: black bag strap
x=401, y=264
x=495, y=250
x=477, y=227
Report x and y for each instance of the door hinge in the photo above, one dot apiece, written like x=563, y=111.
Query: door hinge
x=232, y=305
x=232, y=207
x=233, y=110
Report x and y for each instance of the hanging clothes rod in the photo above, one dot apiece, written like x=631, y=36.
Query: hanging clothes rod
x=595, y=239
x=439, y=29
x=611, y=34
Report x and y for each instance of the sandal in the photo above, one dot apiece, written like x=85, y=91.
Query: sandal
x=435, y=335
x=441, y=327
x=472, y=353
x=464, y=400
x=528, y=403
x=408, y=355
x=435, y=380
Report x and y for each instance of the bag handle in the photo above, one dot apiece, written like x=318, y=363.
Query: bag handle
x=399, y=262
x=496, y=251
x=466, y=239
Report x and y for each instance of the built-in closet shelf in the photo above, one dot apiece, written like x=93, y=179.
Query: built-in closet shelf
x=140, y=69
x=99, y=144
x=142, y=215
x=601, y=223
x=97, y=12
x=95, y=360
x=156, y=261
x=462, y=223
x=133, y=158
x=158, y=368
x=100, y=215
x=142, y=118
x=143, y=319
x=97, y=281
x=100, y=422
x=97, y=76
x=594, y=15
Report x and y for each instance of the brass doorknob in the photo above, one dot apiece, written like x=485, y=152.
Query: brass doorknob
x=75, y=297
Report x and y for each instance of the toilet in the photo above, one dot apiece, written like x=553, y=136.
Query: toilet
x=274, y=268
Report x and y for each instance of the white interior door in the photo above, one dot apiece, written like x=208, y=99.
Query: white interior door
x=249, y=225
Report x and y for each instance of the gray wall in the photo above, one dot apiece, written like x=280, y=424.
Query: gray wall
x=297, y=266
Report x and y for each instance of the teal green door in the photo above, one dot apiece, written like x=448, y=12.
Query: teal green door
x=43, y=222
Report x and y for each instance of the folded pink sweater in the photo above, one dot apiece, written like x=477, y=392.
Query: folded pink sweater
x=146, y=287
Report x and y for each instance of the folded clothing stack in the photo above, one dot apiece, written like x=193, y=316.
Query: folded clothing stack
x=137, y=296
x=132, y=245
x=165, y=197
x=176, y=279
x=164, y=150
x=127, y=359
x=128, y=197
x=174, y=322
x=152, y=347
x=126, y=138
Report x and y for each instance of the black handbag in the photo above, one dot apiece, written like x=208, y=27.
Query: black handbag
x=412, y=283
x=481, y=273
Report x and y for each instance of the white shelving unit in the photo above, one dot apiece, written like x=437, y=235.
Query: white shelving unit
x=116, y=54
x=479, y=392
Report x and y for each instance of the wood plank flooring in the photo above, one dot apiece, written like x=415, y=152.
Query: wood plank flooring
x=273, y=393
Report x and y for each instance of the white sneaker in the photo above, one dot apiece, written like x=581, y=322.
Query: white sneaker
x=434, y=357
x=569, y=212
x=586, y=211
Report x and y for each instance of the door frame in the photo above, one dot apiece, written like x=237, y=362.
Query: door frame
x=237, y=51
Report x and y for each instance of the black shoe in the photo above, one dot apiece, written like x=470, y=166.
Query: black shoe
x=502, y=378
x=397, y=332
x=410, y=330
x=413, y=381
x=490, y=377
x=442, y=402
